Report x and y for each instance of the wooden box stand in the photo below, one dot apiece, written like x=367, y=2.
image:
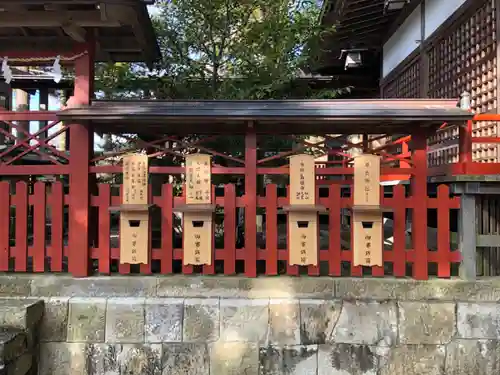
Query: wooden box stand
x=303, y=212
x=198, y=211
x=134, y=211
x=367, y=216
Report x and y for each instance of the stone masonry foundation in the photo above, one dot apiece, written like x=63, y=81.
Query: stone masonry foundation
x=267, y=326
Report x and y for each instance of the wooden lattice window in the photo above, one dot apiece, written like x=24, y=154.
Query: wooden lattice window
x=464, y=59
x=406, y=84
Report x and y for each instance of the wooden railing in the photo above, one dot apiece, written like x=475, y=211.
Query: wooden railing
x=34, y=228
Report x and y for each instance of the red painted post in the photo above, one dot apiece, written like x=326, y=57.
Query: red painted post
x=271, y=230
x=465, y=146
x=4, y=225
x=291, y=270
x=21, y=203
x=81, y=144
x=229, y=229
x=465, y=136
x=39, y=221
x=443, y=231
x=167, y=217
x=123, y=268
x=209, y=269
x=335, y=224
x=187, y=269
x=251, y=202
x=399, y=234
x=314, y=270
x=57, y=225
x=104, y=257
x=419, y=197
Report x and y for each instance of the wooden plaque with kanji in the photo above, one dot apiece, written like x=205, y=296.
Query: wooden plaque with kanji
x=367, y=216
x=302, y=224
x=198, y=225
x=198, y=176
x=302, y=180
x=367, y=180
x=134, y=224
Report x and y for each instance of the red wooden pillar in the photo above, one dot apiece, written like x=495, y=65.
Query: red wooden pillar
x=251, y=202
x=419, y=197
x=465, y=146
x=81, y=146
x=465, y=136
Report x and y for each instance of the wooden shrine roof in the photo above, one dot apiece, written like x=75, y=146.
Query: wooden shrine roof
x=121, y=29
x=362, y=24
x=267, y=116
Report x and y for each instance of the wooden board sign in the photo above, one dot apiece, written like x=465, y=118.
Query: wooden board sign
x=134, y=237
x=367, y=180
x=302, y=180
x=367, y=225
x=197, y=238
x=303, y=237
x=302, y=225
x=198, y=226
x=134, y=225
x=198, y=179
x=368, y=233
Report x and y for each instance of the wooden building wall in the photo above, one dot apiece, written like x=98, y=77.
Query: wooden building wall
x=460, y=56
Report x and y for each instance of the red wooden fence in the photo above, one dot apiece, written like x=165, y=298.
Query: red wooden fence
x=39, y=210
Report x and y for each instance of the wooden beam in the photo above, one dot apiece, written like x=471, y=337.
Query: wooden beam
x=76, y=33
x=129, y=16
x=103, y=8
x=401, y=18
x=55, y=19
x=122, y=44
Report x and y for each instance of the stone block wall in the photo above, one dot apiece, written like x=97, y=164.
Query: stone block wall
x=264, y=326
x=19, y=335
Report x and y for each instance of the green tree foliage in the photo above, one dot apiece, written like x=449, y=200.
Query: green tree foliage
x=225, y=49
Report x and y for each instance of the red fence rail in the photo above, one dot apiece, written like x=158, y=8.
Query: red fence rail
x=464, y=142
x=33, y=229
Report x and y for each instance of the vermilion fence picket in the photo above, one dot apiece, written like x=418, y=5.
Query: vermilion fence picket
x=39, y=211
x=56, y=203
x=21, y=222
x=4, y=226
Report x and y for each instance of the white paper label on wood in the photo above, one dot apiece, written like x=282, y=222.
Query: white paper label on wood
x=198, y=179
x=135, y=179
x=367, y=180
x=302, y=180
x=134, y=225
x=303, y=238
x=368, y=237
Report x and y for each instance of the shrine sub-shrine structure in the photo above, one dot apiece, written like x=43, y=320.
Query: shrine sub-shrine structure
x=247, y=214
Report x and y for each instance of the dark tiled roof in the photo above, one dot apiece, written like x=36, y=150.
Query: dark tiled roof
x=293, y=116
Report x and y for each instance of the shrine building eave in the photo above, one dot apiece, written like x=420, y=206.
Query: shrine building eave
x=121, y=30
x=267, y=116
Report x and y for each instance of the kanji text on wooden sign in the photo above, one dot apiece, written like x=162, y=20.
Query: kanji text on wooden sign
x=302, y=223
x=134, y=212
x=198, y=223
x=367, y=213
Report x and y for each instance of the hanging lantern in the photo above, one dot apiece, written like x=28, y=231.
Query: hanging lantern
x=390, y=5
x=6, y=71
x=352, y=57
